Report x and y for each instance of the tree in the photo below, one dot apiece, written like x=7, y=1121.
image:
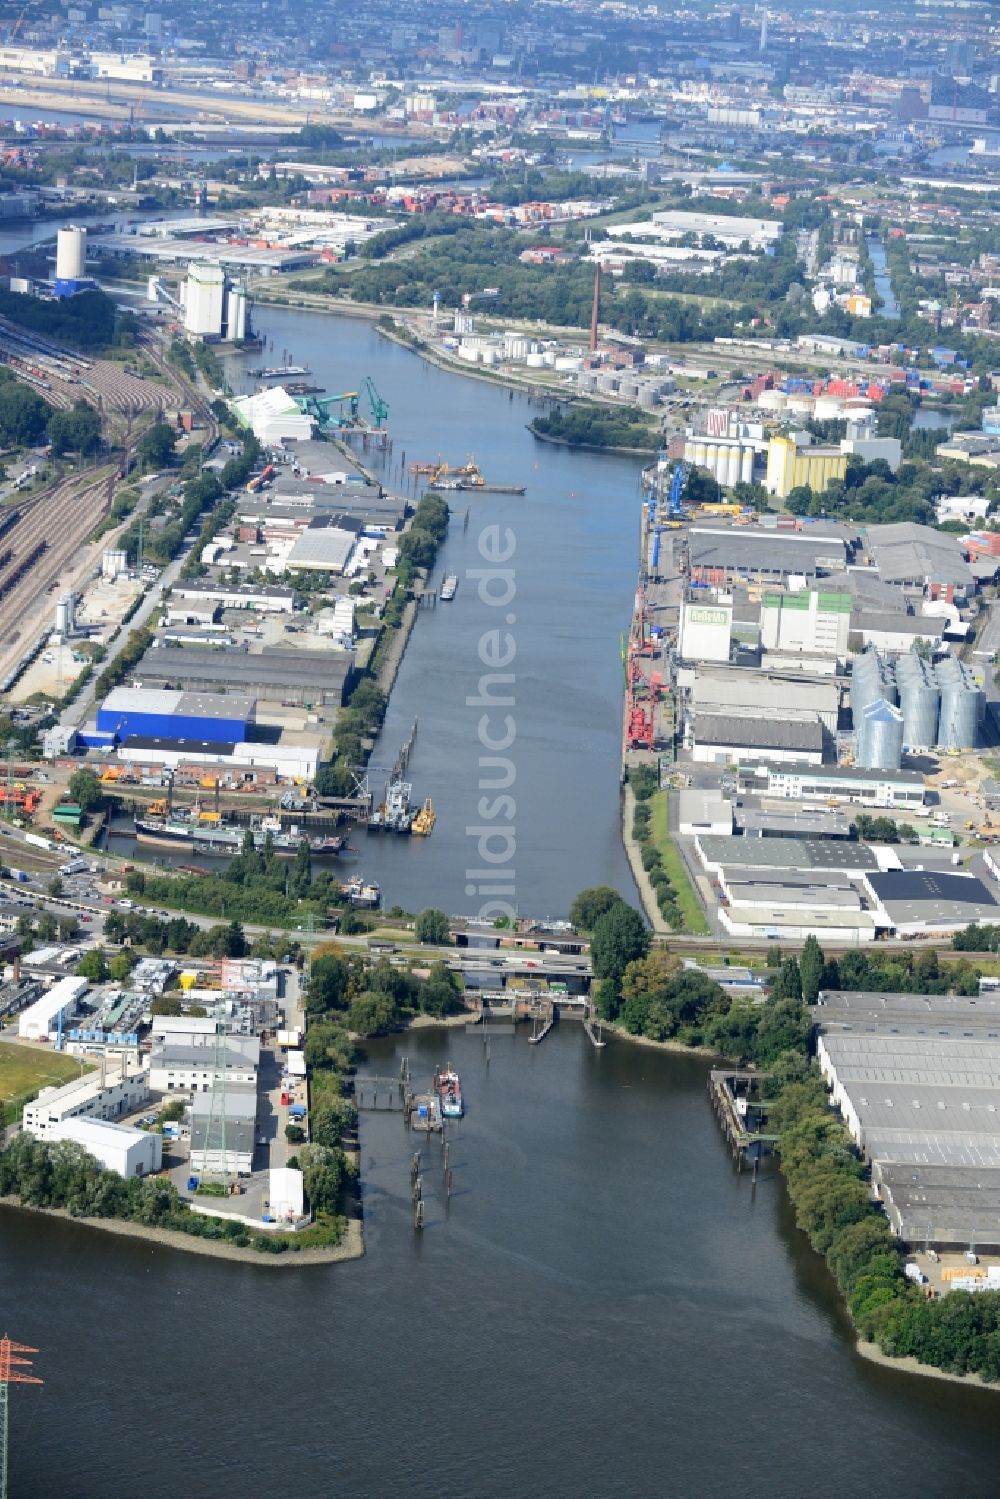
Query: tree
x=155, y=447
x=121, y=966
x=55, y=886
x=76, y=431
x=440, y=994
x=619, y=937
x=591, y=904
x=432, y=926
x=328, y=979
x=93, y=966
x=788, y=981
x=85, y=789
x=811, y=969
x=373, y=1013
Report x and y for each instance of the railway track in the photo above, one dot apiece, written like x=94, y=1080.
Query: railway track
x=47, y=533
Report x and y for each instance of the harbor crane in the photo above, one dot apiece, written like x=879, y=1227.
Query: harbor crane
x=12, y=1367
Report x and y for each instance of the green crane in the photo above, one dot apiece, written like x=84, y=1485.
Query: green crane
x=379, y=408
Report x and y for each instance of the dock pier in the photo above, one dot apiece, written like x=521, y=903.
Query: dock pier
x=593, y=1029
x=735, y=1097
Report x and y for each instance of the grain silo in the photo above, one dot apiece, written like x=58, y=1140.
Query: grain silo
x=879, y=743
x=920, y=700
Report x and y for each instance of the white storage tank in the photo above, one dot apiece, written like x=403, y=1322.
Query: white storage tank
x=772, y=400
x=746, y=466
x=114, y=563
x=71, y=253
x=535, y=361
x=828, y=408
x=802, y=405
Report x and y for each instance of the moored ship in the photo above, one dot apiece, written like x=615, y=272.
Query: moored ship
x=448, y=1087
x=227, y=838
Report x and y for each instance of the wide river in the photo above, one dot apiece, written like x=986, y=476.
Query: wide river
x=604, y=1308
x=573, y=542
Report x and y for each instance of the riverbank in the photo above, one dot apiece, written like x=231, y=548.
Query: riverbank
x=351, y=1247
x=496, y=378
x=592, y=447
x=906, y=1365
x=634, y=853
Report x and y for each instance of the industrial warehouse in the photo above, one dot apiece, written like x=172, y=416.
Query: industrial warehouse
x=916, y=1078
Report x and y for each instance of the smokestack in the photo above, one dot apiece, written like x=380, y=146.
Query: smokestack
x=597, y=306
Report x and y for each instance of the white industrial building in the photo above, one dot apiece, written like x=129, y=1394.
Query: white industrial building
x=187, y=1068
x=40, y=1021
x=204, y=298
x=674, y=223
x=286, y=1194
x=105, y=1094
x=274, y=416
x=727, y=739
x=706, y=629
x=129, y=1152
x=795, y=924
x=891, y=790
x=811, y=621
x=704, y=812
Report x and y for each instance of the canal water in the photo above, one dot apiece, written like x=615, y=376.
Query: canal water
x=883, y=282
x=570, y=580
x=604, y=1308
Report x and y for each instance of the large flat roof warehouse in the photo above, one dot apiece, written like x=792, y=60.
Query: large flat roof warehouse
x=781, y=822
x=181, y=252
x=273, y=673
x=764, y=554
x=787, y=853
x=729, y=732
x=322, y=548
x=751, y=693
x=932, y=899
x=751, y=887
x=167, y=703
x=872, y=1012
x=909, y=553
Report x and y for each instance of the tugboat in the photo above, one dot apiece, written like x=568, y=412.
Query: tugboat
x=448, y=1087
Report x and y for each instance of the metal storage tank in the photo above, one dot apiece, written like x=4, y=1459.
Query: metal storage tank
x=732, y=467
x=920, y=701
x=648, y=396
x=880, y=737
x=772, y=400
x=746, y=465
x=587, y=380
x=959, y=715
x=871, y=679
x=802, y=405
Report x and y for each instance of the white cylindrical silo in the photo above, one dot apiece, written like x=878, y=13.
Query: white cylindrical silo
x=71, y=253
x=746, y=466
x=732, y=467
